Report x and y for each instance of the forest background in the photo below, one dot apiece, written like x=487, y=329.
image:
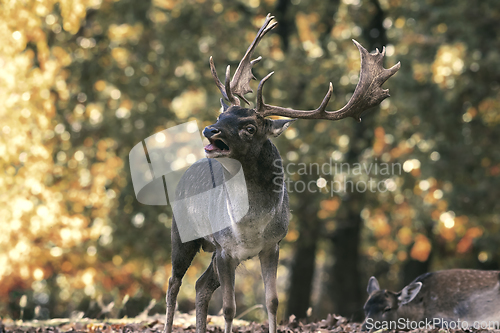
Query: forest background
x=83, y=81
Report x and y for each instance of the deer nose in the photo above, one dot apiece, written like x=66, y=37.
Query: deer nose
x=208, y=132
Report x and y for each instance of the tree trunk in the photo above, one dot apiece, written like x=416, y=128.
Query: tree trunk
x=303, y=264
x=345, y=288
x=346, y=285
x=302, y=268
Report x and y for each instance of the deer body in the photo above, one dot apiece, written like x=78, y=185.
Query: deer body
x=241, y=134
x=265, y=223
x=443, y=298
x=257, y=233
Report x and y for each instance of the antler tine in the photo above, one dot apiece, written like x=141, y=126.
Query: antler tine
x=268, y=110
x=260, y=105
x=367, y=94
x=216, y=78
x=229, y=93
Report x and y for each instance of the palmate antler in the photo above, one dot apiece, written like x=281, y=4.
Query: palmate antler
x=368, y=92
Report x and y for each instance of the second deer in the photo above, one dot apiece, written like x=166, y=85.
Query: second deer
x=455, y=298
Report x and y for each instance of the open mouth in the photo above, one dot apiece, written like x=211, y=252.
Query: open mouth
x=217, y=146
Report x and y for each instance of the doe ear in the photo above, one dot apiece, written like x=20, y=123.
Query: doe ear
x=409, y=292
x=278, y=126
x=372, y=285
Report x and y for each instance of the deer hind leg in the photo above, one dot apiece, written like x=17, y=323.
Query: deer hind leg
x=205, y=287
x=269, y=265
x=182, y=256
x=226, y=267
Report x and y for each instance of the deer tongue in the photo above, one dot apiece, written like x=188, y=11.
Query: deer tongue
x=210, y=147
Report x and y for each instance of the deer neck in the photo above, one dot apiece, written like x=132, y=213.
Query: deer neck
x=411, y=311
x=262, y=169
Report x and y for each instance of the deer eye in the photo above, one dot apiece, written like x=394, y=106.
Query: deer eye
x=387, y=309
x=250, y=129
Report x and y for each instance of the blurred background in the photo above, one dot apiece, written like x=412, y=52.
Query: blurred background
x=83, y=81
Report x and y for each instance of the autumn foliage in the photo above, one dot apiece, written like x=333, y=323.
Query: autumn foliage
x=83, y=81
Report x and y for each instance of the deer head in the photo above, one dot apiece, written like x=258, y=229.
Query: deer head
x=384, y=305
x=240, y=131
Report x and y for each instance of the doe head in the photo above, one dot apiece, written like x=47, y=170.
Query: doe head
x=383, y=306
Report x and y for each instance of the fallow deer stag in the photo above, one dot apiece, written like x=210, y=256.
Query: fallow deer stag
x=242, y=134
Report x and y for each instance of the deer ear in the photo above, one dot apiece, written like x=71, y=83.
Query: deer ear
x=278, y=126
x=409, y=292
x=372, y=285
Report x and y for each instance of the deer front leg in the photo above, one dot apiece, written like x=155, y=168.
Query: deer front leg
x=226, y=267
x=269, y=265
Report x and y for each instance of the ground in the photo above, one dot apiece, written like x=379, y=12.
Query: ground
x=186, y=323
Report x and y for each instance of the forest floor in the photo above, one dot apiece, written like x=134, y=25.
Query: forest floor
x=186, y=323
